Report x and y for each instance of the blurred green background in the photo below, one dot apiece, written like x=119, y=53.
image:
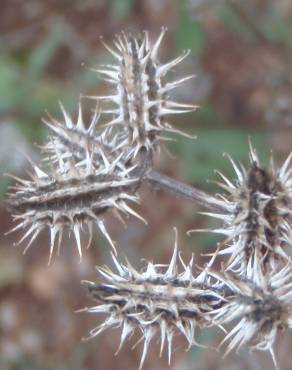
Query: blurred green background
x=241, y=53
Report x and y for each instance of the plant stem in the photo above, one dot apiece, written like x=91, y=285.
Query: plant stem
x=166, y=183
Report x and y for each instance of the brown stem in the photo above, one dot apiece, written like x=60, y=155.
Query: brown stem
x=163, y=182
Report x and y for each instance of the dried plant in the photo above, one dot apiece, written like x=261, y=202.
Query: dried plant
x=160, y=299
x=139, y=91
x=94, y=168
x=256, y=217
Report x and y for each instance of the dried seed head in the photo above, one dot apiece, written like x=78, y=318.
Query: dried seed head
x=74, y=140
x=72, y=195
x=157, y=300
x=257, y=217
x=160, y=300
x=139, y=97
x=257, y=312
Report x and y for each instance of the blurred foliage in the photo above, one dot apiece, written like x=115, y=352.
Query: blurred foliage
x=22, y=87
x=4, y=182
x=189, y=34
x=75, y=362
x=26, y=89
x=278, y=30
x=24, y=363
x=271, y=24
x=199, y=158
x=121, y=9
x=233, y=22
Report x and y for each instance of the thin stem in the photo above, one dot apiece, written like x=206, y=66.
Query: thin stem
x=163, y=182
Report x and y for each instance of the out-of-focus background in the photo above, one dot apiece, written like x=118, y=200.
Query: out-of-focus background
x=241, y=54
